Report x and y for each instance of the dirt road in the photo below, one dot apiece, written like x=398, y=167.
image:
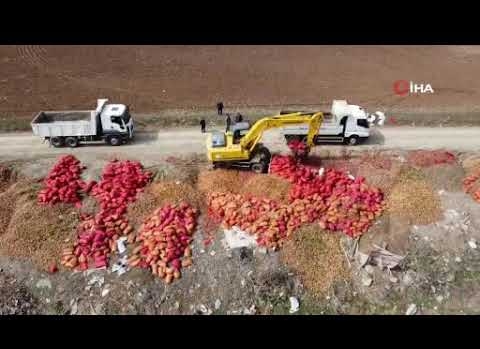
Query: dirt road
x=149, y=146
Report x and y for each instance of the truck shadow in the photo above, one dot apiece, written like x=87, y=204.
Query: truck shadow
x=140, y=138
x=376, y=137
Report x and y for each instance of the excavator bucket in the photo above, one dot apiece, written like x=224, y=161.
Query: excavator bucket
x=299, y=148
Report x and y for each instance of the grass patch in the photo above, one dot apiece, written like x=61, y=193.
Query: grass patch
x=10, y=123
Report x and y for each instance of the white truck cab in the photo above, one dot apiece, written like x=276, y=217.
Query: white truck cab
x=116, y=119
x=345, y=123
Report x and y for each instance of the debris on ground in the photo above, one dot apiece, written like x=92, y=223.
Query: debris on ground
x=16, y=299
x=473, y=244
x=409, y=278
x=384, y=258
x=367, y=280
x=369, y=269
x=393, y=279
x=121, y=266
x=294, y=305
x=121, y=245
x=236, y=238
x=412, y=309
x=317, y=257
x=44, y=283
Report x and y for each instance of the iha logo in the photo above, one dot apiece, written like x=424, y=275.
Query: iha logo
x=404, y=87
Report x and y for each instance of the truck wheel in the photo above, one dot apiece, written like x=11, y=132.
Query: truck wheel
x=57, y=142
x=353, y=140
x=114, y=141
x=72, y=142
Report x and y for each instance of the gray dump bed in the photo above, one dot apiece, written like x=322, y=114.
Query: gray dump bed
x=64, y=123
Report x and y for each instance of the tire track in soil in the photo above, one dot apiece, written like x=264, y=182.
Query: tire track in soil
x=32, y=55
x=35, y=56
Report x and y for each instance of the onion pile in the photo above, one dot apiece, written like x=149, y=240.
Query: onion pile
x=334, y=200
x=270, y=222
x=165, y=239
x=286, y=167
x=237, y=209
x=96, y=241
x=63, y=183
x=298, y=147
x=469, y=185
x=121, y=183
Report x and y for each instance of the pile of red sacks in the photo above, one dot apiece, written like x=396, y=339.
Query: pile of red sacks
x=299, y=148
x=63, y=183
x=165, y=239
x=334, y=200
x=120, y=184
x=471, y=185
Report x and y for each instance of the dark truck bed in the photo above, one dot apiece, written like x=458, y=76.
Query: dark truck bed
x=53, y=116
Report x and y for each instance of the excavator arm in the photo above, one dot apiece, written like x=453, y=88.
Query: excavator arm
x=253, y=136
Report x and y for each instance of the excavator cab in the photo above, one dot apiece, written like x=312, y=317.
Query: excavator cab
x=239, y=129
x=218, y=140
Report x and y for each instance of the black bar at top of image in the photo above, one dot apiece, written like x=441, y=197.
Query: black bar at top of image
x=196, y=23
x=139, y=37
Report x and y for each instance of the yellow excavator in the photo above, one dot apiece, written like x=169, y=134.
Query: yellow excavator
x=225, y=150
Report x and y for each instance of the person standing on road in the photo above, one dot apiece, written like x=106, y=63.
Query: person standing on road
x=202, y=125
x=220, y=108
x=228, y=122
x=239, y=118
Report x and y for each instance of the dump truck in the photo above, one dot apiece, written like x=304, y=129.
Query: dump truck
x=111, y=123
x=346, y=123
x=226, y=150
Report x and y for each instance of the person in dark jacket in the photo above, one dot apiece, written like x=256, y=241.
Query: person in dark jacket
x=202, y=125
x=228, y=122
x=220, y=108
x=239, y=118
